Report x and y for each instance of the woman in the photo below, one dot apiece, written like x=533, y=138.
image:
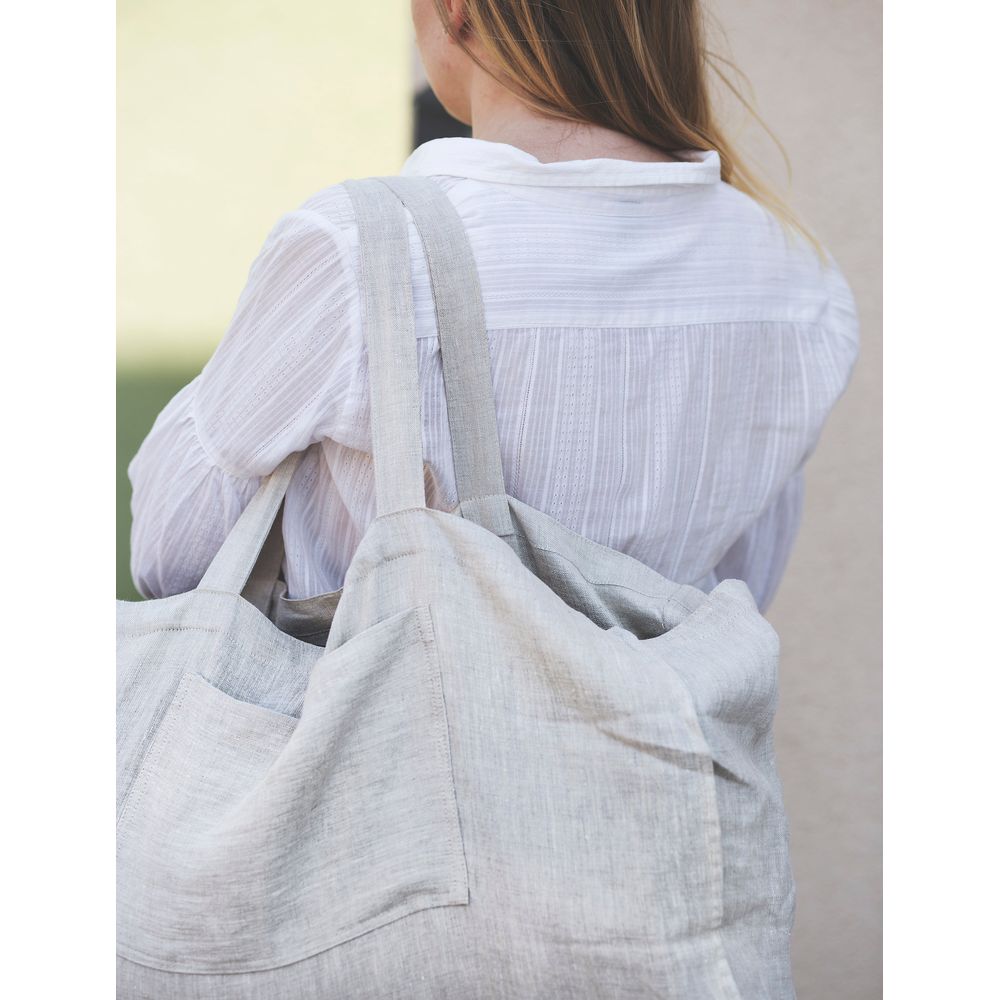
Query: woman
x=665, y=345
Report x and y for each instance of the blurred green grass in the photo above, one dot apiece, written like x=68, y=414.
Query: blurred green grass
x=142, y=391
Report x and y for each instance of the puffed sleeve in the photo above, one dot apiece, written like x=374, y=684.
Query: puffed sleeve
x=183, y=504
x=279, y=380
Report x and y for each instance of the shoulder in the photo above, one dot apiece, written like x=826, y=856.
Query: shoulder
x=323, y=231
x=329, y=207
x=325, y=217
x=780, y=269
x=310, y=251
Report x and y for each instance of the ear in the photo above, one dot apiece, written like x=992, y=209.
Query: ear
x=456, y=17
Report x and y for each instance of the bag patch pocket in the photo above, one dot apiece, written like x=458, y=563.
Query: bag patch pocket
x=252, y=839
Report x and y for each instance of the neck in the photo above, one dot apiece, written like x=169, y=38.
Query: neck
x=498, y=116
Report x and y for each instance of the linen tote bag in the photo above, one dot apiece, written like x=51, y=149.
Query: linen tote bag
x=522, y=764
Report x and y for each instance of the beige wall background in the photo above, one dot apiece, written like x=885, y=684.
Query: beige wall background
x=815, y=66
x=231, y=113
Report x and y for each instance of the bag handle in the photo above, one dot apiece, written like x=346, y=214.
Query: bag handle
x=380, y=205
x=249, y=559
x=465, y=352
x=387, y=320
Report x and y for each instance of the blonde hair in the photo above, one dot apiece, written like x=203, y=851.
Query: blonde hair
x=635, y=66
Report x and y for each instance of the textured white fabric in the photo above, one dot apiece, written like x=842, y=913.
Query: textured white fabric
x=663, y=362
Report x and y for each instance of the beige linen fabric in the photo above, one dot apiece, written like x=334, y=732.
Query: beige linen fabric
x=522, y=764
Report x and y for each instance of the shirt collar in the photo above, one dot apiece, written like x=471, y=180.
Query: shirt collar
x=459, y=156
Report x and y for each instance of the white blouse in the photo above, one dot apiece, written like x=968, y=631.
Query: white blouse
x=663, y=363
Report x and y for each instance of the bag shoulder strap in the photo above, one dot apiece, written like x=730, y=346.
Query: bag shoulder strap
x=387, y=319
x=465, y=353
x=251, y=552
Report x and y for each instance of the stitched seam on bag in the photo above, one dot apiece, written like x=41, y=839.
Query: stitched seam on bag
x=711, y=823
x=601, y=583
x=153, y=754
x=712, y=827
x=696, y=628
x=713, y=842
x=140, y=958
x=170, y=628
x=402, y=555
x=260, y=742
x=449, y=794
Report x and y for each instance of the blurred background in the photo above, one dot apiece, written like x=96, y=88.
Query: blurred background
x=231, y=114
